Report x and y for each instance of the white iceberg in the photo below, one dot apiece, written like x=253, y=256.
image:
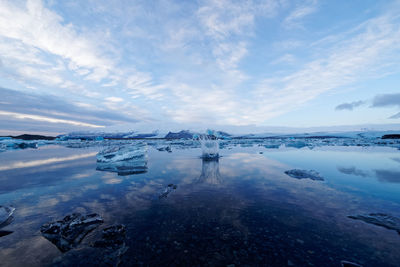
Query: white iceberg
x=124, y=160
x=122, y=153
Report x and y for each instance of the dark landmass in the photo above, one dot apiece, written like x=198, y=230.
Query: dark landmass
x=31, y=137
x=180, y=135
x=391, y=136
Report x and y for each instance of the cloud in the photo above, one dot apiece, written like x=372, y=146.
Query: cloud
x=41, y=28
x=293, y=20
x=22, y=116
x=353, y=171
x=395, y=116
x=52, y=109
x=388, y=176
x=194, y=62
x=386, y=100
x=349, y=106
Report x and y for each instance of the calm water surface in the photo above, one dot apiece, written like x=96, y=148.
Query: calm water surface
x=242, y=209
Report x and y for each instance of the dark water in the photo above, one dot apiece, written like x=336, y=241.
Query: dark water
x=242, y=209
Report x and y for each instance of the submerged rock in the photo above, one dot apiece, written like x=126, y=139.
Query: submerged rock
x=304, y=174
x=167, y=190
x=70, y=231
x=380, y=219
x=104, y=252
x=349, y=264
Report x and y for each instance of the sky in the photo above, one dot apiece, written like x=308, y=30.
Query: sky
x=106, y=65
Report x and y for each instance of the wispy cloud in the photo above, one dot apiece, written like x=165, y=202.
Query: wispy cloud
x=294, y=19
x=349, y=106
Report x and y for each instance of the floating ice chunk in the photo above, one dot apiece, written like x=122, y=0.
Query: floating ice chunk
x=5, y=219
x=304, y=174
x=121, y=153
x=380, y=219
x=70, y=231
x=167, y=190
x=296, y=144
x=164, y=148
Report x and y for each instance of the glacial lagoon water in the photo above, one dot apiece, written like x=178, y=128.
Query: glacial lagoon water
x=240, y=209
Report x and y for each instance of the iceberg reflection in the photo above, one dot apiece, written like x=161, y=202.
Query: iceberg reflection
x=210, y=172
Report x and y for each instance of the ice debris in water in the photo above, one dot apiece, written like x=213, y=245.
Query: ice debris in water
x=5, y=219
x=125, y=160
x=70, y=231
x=164, y=148
x=304, y=174
x=380, y=219
x=14, y=144
x=167, y=190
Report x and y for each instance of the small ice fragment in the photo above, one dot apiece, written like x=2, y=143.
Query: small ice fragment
x=304, y=174
x=6, y=215
x=167, y=190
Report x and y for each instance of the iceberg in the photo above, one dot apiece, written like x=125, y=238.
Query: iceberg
x=304, y=174
x=209, y=145
x=124, y=160
x=69, y=232
x=121, y=153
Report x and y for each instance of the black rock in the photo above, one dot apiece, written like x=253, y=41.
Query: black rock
x=112, y=237
x=70, y=231
x=104, y=252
